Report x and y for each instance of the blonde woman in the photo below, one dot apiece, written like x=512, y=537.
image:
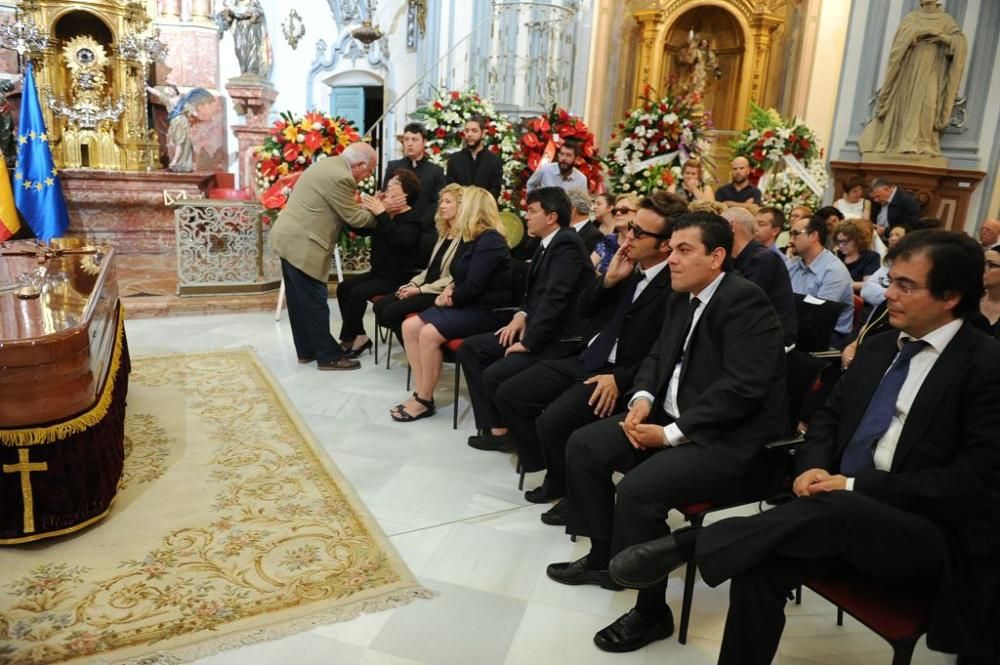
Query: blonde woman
x=420, y=292
x=692, y=185
x=481, y=273
x=624, y=211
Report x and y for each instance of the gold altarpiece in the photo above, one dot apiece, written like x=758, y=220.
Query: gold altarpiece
x=93, y=98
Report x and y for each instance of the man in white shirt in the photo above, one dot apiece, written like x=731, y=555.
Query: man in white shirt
x=708, y=396
x=896, y=480
x=560, y=173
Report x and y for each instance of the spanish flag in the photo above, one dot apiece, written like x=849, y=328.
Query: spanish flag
x=9, y=224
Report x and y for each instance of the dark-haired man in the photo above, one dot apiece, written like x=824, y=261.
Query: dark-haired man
x=546, y=403
x=817, y=272
x=546, y=326
x=560, y=173
x=431, y=175
x=769, y=222
x=475, y=164
x=893, y=206
x=708, y=397
x=897, y=478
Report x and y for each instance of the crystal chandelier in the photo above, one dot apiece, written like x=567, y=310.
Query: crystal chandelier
x=23, y=36
x=145, y=49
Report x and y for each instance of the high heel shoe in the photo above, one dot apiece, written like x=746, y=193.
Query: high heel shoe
x=355, y=353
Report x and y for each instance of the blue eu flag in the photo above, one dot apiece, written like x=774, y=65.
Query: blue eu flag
x=37, y=192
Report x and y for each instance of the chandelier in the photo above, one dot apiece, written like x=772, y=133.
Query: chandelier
x=23, y=36
x=368, y=32
x=145, y=49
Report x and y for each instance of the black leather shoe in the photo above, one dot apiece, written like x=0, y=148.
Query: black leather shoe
x=632, y=631
x=556, y=515
x=339, y=365
x=575, y=573
x=356, y=353
x=646, y=564
x=491, y=442
x=543, y=494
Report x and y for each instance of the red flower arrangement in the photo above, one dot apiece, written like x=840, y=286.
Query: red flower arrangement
x=553, y=129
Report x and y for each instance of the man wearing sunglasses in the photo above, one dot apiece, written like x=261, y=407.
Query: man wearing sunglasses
x=543, y=405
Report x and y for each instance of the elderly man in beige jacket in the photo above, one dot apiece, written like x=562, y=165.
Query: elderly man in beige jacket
x=305, y=236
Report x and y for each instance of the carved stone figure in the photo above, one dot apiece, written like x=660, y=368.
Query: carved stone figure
x=700, y=58
x=183, y=110
x=921, y=82
x=253, y=47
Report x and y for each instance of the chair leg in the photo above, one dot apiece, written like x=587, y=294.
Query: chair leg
x=902, y=651
x=520, y=472
x=388, y=349
x=409, y=376
x=840, y=617
x=458, y=381
x=378, y=333
x=689, y=573
x=798, y=589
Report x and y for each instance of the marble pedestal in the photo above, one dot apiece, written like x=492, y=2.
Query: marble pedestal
x=252, y=97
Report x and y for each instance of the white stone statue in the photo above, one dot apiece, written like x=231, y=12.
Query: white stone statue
x=921, y=83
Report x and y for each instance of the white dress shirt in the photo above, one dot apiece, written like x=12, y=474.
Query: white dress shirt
x=920, y=366
x=546, y=241
x=648, y=276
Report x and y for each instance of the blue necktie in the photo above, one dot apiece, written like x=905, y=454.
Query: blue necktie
x=882, y=407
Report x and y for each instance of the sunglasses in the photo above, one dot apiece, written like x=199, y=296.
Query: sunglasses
x=622, y=211
x=640, y=233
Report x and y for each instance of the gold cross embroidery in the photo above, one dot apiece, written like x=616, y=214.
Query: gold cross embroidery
x=25, y=467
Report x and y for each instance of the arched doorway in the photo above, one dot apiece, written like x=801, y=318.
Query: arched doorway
x=726, y=38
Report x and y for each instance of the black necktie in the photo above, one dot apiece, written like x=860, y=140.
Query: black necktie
x=679, y=356
x=596, y=355
x=878, y=416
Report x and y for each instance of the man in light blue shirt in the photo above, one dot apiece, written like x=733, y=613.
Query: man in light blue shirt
x=560, y=173
x=819, y=273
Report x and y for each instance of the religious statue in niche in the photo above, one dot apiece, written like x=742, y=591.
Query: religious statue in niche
x=253, y=47
x=183, y=111
x=700, y=60
x=921, y=83
x=7, y=144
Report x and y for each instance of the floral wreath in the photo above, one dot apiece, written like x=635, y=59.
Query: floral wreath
x=769, y=137
x=445, y=119
x=545, y=134
x=655, y=140
x=786, y=190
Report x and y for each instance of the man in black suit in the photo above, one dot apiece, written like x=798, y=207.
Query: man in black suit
x=897, y=478
x=893, y=206
x=579, y=218
x=543, y=405
x=706, y=400
x=431, y=175
x=547, y=326
x=475, y=164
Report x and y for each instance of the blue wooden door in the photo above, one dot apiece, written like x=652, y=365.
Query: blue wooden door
x=349, y=102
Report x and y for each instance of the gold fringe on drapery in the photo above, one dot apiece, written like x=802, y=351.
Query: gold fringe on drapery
x=34, y=436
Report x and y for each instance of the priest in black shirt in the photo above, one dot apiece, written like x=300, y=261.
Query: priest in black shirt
x=475, y=164
x=431, y=175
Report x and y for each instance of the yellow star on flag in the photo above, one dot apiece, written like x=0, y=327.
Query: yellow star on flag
x=27, y=184
x=18, y=176
x=32, y=135
x=38, y=186
x=55, y=171
x=43, y=137
x=22, y=139
x=49, y=182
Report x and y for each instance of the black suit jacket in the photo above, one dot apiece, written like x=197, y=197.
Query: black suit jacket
x=641, y=328
x=732, y=394
x=946, y=467
x=903, y=209
x=556, y=278
x=431, y=178
x=591, y=235
x=485, y=171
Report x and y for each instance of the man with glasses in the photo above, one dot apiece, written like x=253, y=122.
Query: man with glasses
x=704, y=401
x=543, y=405
x=896, y=480
x=817, y=272
x=305, y=236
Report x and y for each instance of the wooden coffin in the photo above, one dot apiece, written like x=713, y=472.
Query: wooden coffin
x=55, y=350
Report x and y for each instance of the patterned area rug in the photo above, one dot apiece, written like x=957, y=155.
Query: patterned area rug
x=232, y=526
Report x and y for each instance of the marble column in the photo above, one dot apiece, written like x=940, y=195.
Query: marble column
x=650, y=63
x=201, y=12
x=252, y=100
x=170, y=9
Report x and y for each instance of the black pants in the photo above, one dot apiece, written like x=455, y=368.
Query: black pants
x=352, y=298
x=391, y=311
x=485, y=368
x=309, y=315
x=542, y=406
x=769, y=554
x=655, y=482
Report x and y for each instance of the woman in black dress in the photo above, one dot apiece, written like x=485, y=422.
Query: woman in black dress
x=395, y=258
x=468, y=306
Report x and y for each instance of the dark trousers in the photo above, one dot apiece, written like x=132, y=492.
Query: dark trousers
x=768, y=555
x=309, y=315
x=542, y=406
x=485, y=368
x=391, y=311
x=352, y=298
x=636, y=510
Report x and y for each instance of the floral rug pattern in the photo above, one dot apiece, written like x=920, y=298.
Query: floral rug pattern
x=230, y=526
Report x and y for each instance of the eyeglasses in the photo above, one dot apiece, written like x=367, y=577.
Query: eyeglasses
x=639, y=233
x=623, y=210
x=796, y=234
x=905, y=286
x=842, y=241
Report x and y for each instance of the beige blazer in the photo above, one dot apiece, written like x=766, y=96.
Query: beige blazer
x=307, y=230
x=438, y=285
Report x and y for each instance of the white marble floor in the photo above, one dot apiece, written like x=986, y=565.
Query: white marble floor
x=460, y=523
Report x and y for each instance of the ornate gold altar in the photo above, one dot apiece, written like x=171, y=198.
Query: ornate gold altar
x=92, y=80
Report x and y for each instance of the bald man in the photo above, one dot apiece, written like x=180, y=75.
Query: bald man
x=989, y=233
x=739, y=193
